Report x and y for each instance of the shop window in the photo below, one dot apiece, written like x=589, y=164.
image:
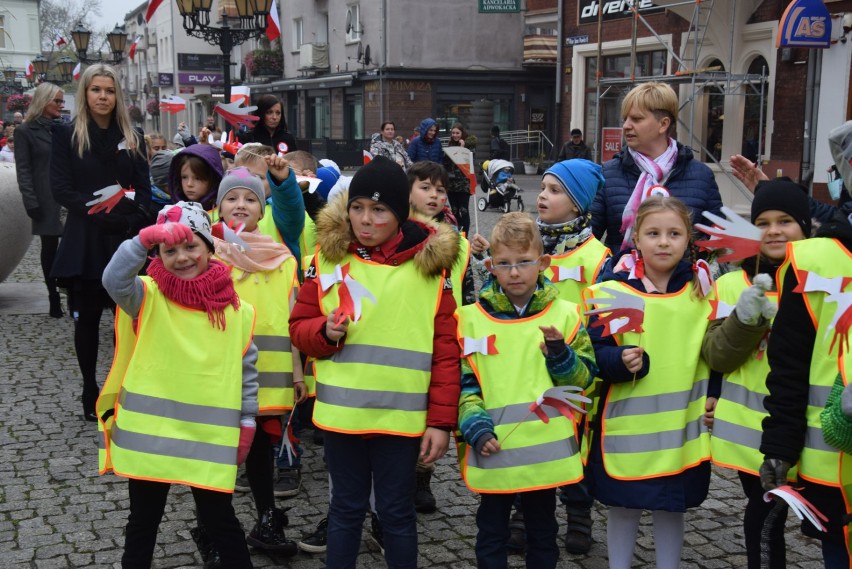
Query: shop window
x=319, y=121
x=354, y=116
x=2, y=31
x=715, y=118
x=755, y=116
x=648, y=63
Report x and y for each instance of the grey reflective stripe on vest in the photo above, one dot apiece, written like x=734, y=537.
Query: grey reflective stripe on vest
x=379, y=355
x=275, y=379
x=732, y=432
x=525, y=456
x=665, y=440
x=744, y=396
x=818, y=395
x=814, y=440
x=371, y=399
x=101, y=440
x=178, y=448
x=272, y=343
x=518, y=412
x=191, y=413
x=651, y=404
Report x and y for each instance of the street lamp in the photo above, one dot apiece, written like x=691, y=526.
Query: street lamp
x=64, y=64
x=117, y=40
x=10, y=85
x=251, y=23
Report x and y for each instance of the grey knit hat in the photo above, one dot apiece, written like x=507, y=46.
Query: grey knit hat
x=240, y=178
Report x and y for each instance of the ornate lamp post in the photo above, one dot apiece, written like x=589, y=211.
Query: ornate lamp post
x=117, y=40
x=251, y=23
x=10, y=85
x=64, y=64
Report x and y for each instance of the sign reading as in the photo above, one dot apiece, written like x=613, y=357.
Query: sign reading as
x=498, y=6
x=805, y=23
x=610, y=142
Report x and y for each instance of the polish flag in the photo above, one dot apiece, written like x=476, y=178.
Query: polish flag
x=60, y=41
x=29, y=69
x=485, y=345
x=463, y=158
x=273, y=24
x=368, y=157
x=152, y=7
x=76, y=72
x=132, y=53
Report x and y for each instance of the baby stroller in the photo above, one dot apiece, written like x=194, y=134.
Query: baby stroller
x=498, y=183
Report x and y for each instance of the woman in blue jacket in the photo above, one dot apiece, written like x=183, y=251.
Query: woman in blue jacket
x=426, y=146
x=651, y=157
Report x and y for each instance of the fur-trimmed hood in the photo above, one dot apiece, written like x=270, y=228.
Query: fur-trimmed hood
x=433, y=246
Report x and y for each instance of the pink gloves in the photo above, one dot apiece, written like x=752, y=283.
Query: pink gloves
x=169, y=234
x=246, y=438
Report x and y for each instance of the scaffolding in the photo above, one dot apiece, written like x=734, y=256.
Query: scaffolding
x=722, y=81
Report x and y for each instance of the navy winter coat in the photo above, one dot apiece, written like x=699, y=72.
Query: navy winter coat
x=690, y=181
x=419, y=149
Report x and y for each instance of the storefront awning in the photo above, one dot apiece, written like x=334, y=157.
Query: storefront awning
x=302, y=83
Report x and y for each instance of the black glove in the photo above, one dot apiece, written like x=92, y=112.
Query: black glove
x=34, y=213
x=773, y=473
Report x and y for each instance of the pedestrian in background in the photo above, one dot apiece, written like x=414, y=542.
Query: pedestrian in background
x=384, y=143
x=427, y=146
x=272, y=128
x=458, y=190
x=576, y=147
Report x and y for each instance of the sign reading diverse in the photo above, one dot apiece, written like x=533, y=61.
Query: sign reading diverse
x=610, y=142
x=805, y=23
x=201, y=79
x=613, y=9
x=199, y=62
x=165, y=79
x=499, y=6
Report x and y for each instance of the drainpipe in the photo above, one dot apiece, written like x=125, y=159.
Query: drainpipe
x=560, y=39
x=812, y=90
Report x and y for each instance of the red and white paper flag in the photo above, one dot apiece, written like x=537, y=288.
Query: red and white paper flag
x=350, y=293
x=368, y=157
x=172, y=104
x=463, y=158
x=485, y=345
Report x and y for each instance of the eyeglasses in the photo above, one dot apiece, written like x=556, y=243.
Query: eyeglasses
x=506, y=267
x=59, y=102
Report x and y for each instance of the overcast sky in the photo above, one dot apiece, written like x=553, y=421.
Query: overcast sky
x=113, y=11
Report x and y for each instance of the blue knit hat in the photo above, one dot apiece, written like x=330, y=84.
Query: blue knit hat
x=580, y=178
x=329, y=177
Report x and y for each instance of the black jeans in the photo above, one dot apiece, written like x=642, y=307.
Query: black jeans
x=492, y=520
x=147, y=503
x=88, y=300
x=259, y=471
x=753, y=521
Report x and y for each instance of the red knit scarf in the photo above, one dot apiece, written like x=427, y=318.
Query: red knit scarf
x=211, y=291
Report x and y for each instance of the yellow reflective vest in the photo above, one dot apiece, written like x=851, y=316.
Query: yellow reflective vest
x=738, y=420
x=537, y=455
x=271, y=293
x=175, y=409
x=654, y=427
x=576, y=270
x=459, y=268
x=379, y=381
x=828, y=259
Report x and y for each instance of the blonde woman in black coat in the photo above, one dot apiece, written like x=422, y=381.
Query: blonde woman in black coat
x=32, y=155
x=99, y=149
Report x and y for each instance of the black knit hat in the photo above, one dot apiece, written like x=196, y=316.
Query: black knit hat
x=786, y=196
x=382, y=180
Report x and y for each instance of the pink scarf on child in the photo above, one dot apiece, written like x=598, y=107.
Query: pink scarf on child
x=265, y=254
x=654, y=172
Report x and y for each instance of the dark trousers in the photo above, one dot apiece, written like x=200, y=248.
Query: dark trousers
x=460, y=206
x=259, y=471
x=355, y=464
x=88, y=300
x=49, y=245
x=215, y=512
x=492, y=520
x=753, y=525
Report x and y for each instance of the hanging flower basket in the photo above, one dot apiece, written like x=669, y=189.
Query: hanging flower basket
x=153, y=107
x=18, y=103
x=264, y=63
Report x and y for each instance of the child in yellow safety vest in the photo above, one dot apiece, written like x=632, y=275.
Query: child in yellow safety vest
x=264, y=273
x=376, y=312
x=809, y=346
x=735, y=344
x=650, y=449
x=502, y=373
x=168, y=413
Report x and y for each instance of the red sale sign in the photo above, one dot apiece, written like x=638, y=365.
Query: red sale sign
x=611, y=142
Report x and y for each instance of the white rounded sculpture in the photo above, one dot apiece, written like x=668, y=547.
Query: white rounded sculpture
x=15, y=226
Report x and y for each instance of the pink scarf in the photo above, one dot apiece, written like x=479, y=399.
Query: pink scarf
x=265, y=254
x=654, y=172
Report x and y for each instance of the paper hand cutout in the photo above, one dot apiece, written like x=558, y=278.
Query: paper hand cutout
x=107, y=198
x=562, y=399
x=735, y=233
x=621, y=313
x=236, y=115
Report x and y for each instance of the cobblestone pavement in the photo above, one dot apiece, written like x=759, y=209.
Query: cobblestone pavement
x=56, y=512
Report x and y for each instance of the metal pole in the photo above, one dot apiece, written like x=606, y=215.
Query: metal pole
x=226, y=43
x=560, y=40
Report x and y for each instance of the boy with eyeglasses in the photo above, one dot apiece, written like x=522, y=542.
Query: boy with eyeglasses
x=502, y=373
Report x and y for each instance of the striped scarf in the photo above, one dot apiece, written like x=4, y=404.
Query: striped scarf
x=654, y=172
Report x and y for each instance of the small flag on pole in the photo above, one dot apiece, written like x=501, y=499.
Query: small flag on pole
x=60, y=41
x=76, y=72
x=273, y=24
